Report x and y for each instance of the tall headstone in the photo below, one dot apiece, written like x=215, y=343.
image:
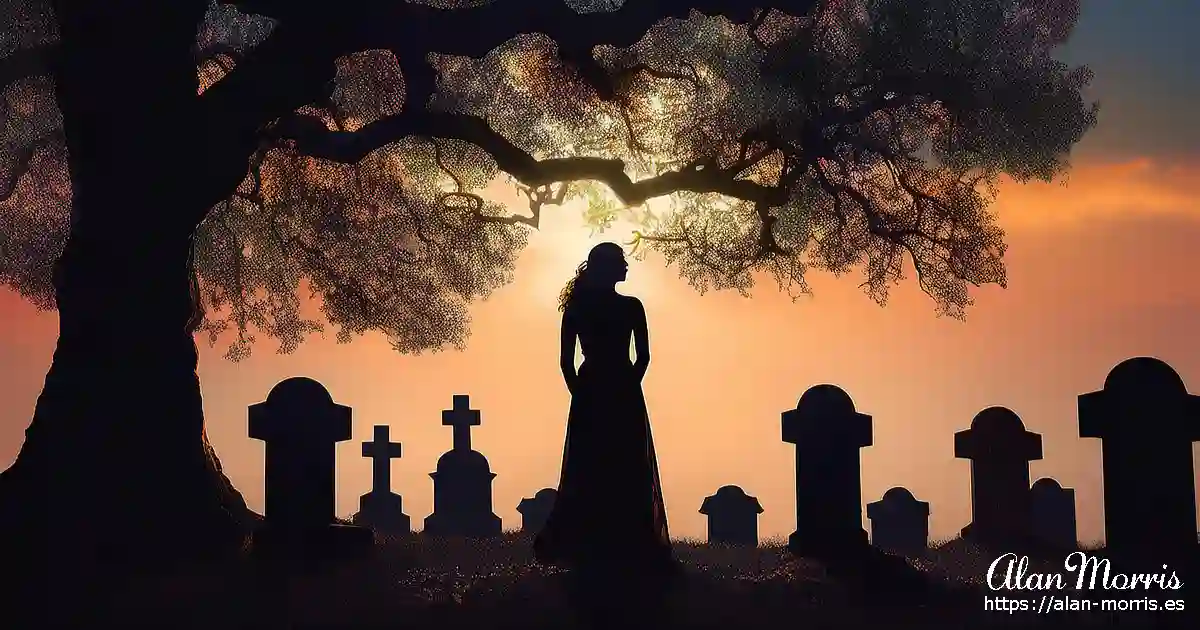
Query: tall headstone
x=1053, y=510
x=536, y=510
x=1147, y=422
x=899, y=522
x=462, y=483
x=828, y=433
x=1000, y=450
x=732, y=517
x=382, y=509
x=300, y=424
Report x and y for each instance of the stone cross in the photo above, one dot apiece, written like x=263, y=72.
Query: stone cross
x=381, y=451
x=1000, y=450
x=1053, y=510
x=732, y=517
x=300, y=424
x=462, y=418
x=899, y=523
x=828, y=434
x=381, y=509
x=1147, y=422
x=535, y=511
x=462, y=483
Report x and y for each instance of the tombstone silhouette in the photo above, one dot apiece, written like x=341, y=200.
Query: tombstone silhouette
x=1000, y=450
x=899, y=522
x=732, y=517
x=535, y=511
x=462, y=483
x=381, y=509
x=1053, y=512
x=1147, y=422
x=300, y=424
x=828, y=434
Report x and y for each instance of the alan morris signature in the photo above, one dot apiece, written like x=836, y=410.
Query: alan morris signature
x=1010, y=572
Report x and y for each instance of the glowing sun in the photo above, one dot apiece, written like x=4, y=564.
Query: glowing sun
x=562, y=242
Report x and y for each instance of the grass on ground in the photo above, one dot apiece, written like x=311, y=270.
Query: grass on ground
x=423, y=582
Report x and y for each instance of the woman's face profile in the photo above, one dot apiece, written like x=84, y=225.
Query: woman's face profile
x=610, y=262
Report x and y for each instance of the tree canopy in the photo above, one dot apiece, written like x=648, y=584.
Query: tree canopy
x=788, y=136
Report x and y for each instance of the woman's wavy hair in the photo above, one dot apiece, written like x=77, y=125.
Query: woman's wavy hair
x=582, y=282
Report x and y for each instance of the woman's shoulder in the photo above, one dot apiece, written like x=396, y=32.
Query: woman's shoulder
x=632, y=303
x=577, y=308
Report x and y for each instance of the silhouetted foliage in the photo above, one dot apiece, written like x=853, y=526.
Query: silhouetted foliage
x=817, y=134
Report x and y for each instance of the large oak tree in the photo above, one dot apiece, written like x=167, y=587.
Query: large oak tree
x=178, y=167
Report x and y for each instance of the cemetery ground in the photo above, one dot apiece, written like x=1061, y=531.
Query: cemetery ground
x=423, y=582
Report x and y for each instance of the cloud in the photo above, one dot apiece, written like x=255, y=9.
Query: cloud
x=1097, y=190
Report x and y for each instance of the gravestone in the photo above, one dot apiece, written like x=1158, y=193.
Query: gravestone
x=535, y=511
x=732, y=517
x=1147, y=422
x=1000, y=450
x=899, y=523
x=381, y=509
x=462, y=483
x=828, y=434
x=1053, y=511
x=300, y=424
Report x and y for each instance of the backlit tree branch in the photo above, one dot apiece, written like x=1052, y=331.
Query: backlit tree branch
x=347, y=152
x=313, y=138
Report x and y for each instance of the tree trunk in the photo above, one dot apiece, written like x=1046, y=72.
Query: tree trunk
x=116, y=467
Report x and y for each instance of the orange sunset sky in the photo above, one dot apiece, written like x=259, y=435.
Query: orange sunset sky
x=1101, y=269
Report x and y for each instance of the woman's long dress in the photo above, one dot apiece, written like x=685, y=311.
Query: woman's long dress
x=609, y=511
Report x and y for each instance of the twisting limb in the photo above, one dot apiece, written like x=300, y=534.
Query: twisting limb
x=542, y=196
x=312, y=137
x=295, y=65
x=414, y=31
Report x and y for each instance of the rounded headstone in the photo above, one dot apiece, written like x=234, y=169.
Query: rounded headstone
x=463, y=462
x=1145, y=375
x=730, y=497
x=997, y=420
x=546, y=494
x=1046, y=484
x=829, y=400
x=730, y=491
x=300, y=391
x=899, y=495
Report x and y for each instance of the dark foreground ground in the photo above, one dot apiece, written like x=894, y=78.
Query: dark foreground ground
x=421, y=583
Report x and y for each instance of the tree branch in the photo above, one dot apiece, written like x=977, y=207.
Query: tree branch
x=477, y=30
x=22, y=162
x=289, y=70
x=295, y=67
x=313, y=138
x=413, y=31
x=27, y=62
x=24, y=156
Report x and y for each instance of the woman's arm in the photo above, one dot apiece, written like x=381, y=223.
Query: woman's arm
x=641, y=340
x=566, y=349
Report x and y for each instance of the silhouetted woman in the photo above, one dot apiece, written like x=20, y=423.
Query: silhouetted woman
x=609, y=511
